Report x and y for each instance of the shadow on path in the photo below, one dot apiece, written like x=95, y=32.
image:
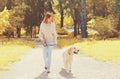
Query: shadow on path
x=65, y=74
x=43, y=75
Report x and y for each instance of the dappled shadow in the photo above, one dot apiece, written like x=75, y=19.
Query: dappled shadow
x=65, y=74
x=43, y=75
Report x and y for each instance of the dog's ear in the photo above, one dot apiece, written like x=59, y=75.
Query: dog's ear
x=69, y=51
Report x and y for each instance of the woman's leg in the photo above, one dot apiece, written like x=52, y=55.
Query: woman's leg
x=49, y=56
x=49, y=49
x=45, y=55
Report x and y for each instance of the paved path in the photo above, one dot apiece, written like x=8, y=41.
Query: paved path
x=32, y=67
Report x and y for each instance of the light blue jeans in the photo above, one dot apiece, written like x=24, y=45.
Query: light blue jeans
x=47, y=51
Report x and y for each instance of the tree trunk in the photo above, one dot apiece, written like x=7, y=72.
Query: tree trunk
x=83, y=19
x=8, y=36
x=19, y=32
x=117, y=14
x=9, y=4
x=75, y=28
x=34, y=31
x=27, y=30
x=31, y=31
x=62, y=18
x=61, y=14
x=118, y=25
x=78, y=28
x=75, y=22
x=94, y=8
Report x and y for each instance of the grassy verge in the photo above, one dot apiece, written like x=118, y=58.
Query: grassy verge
x=67, y=42
x=12, y=50
x=108, y=50
x=101, y=50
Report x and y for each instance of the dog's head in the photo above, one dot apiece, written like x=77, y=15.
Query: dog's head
x=73, y=50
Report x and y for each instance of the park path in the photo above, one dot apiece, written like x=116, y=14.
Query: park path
x=31, y=66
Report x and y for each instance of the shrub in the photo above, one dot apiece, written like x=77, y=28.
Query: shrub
x=8, y=32
x=61, y=31
x=105, y=27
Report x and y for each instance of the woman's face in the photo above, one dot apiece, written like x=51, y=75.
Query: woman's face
x=50, y=19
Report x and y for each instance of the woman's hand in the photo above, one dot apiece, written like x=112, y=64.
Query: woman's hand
x=43, y=42
x=56, y=45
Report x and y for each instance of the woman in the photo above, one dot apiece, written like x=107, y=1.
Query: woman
x=48, y=37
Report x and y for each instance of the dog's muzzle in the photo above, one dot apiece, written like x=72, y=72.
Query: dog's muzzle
x=76, y=52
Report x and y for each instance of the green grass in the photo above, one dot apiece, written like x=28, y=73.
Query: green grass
x=101, y=50
x=67, y=42
x=108, y=50
x=12, y=50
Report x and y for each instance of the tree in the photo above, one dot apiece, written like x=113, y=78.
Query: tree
x=83, y=19
x=17, y=16
x=4, y=20
x=117, y=13
x=77, y=9
x=61, y=3
x=2, y=4
x=100, y=7
x=35, y=12
x=9, y=4
x=72, y=8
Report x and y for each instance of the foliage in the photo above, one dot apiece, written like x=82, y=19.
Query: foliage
x=92, y=33
x=8, y=32
x=35, y=11
x=30, y=13
x=57, y=18
x=4, y=20
x=68, y=21
x=100, y=7
x=16, y=17
x=107, y=13
x=61, y=31
x=105, y=27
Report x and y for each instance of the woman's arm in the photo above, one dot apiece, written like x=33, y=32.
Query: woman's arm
x=55, y=33
x=41, y=35
x=40, y=32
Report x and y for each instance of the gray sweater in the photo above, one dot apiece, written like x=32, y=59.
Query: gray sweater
x=48, y=32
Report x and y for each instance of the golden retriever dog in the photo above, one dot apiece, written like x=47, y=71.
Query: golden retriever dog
x=68, y=57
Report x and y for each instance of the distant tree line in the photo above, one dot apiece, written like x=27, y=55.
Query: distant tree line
x=30, y=13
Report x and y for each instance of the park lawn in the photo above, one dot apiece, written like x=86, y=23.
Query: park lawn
x=12, y=51
x=101, y=50
x=67, y=42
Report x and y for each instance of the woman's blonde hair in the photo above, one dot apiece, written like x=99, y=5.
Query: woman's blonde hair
x=47, y=16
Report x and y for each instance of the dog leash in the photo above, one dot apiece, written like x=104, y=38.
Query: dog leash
x=48, y=45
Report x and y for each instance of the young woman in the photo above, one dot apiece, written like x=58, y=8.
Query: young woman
x=48, y=37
